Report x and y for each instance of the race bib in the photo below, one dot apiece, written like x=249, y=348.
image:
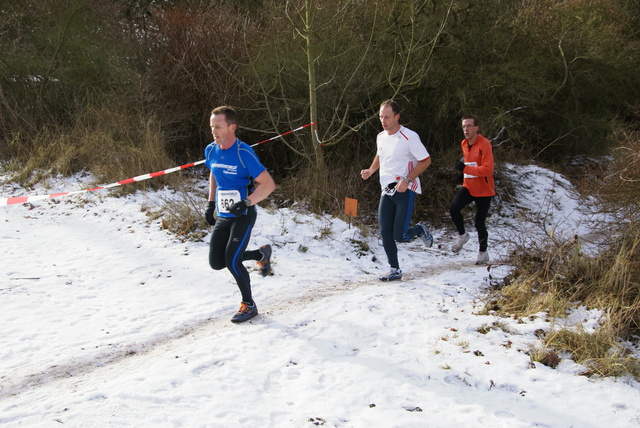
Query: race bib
x=470, y=164
x=226, y=198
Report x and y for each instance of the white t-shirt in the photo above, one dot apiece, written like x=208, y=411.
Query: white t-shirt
x=399, y=154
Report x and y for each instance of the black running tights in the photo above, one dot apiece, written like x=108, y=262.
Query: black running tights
x=461, y=200
x=227, y=249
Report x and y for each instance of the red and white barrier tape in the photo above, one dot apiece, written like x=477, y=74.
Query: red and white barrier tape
x=286, y=133
x=25, y=199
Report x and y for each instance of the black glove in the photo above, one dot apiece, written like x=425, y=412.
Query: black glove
x=238, y=208
x=459, y=165
x=390, y=189
x=208, y=214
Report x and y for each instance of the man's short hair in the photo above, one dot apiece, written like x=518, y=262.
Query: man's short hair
x=230, y=115
x=476, y=119
x=393, y=104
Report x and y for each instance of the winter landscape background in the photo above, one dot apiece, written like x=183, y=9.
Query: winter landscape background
x=108, y=320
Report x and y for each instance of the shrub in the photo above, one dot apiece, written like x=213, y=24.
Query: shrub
x=110, y=142
x=555, y=274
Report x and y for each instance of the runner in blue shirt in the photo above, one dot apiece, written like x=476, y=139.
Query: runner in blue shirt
x=231, y=210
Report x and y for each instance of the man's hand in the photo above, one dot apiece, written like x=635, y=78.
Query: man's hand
x=209, y=213
x=238, y=208
x=459, y=165
x=402, y=186
x=366, y=173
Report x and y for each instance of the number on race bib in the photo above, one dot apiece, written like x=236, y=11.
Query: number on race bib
x=226, y=198
x=470, y=164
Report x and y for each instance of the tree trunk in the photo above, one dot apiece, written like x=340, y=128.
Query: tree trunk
x=319, y=176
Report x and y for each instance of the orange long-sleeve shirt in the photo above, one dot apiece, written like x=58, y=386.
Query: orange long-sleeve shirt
x=478, y=172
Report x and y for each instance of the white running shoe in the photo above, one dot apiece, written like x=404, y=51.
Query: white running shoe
x=462, y=239
x=483, y=258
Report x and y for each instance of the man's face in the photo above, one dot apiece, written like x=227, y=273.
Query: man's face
x=469, y=128
x=389, y=120
x=223, y=133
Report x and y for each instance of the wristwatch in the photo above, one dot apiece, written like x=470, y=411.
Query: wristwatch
x=247, y=202
x=407, y=179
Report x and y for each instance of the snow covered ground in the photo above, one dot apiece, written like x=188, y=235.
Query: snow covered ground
x=107, y=320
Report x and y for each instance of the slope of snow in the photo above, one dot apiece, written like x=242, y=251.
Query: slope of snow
x=108, y=320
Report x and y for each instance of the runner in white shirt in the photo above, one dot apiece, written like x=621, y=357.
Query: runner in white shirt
x=398, y=155
x=401, y=158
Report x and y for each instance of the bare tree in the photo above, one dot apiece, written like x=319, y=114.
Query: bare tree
x=348, y=56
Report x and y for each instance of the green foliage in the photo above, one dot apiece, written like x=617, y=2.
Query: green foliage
x=55, y=55
x=548, y=78
x=570, y=64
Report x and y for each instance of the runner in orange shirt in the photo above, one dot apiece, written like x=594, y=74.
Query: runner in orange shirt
x=478, y=186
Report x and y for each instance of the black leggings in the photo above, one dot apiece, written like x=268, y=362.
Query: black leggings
x=227, y=247
x=461, y=200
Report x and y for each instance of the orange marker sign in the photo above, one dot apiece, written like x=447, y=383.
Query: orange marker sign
x=351, y=207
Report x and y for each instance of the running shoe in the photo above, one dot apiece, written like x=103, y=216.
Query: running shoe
x=246, y=312
x=394, y=275
x=462, y=239
x=483, y=258
x=264, y=265
x=425, y=235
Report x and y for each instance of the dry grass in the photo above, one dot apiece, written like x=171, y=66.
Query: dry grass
x=110, y=142
x=599, y=352
x=183, y=213
x=555, y=278
x=555, y=275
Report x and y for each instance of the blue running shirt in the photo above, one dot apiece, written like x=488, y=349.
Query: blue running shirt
x=233, y=170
